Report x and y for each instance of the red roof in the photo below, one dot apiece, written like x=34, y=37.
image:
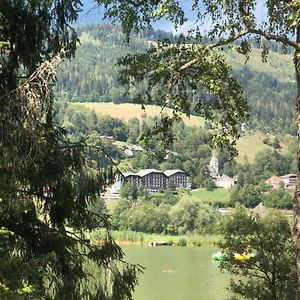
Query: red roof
x=274, y=180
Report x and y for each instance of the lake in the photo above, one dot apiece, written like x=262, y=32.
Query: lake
x=178, y=273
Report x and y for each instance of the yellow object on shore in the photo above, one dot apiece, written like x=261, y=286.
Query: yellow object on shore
x=242, y=257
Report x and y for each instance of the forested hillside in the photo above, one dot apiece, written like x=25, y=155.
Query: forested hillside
x=93, y=76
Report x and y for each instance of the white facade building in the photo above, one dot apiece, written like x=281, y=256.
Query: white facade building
x=225, y=182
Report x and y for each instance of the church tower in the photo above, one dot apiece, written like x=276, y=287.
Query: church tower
x=214, y=163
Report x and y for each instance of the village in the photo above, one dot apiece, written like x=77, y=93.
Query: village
x=154, y=180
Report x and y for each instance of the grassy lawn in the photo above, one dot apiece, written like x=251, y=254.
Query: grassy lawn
x=278, y=65
x=249, y=144
x=218, y=195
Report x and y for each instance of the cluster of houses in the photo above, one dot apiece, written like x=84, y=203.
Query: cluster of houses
x=154, y=180
x=288, y=182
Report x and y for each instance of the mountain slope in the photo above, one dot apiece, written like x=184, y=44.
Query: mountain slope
x=93, y=76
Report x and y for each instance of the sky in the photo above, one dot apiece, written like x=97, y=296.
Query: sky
x=93, y=14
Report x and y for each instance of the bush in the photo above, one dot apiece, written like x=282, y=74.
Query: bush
x=209, y=184
x=278, y=199
x=266, y=140
x=248, y=195
x=182, y=242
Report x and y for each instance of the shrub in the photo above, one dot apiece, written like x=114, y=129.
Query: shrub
x=182, y=242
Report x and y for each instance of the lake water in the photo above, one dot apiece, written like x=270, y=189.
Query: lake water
x=178, y=273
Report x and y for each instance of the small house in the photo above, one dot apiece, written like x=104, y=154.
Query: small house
x=275, y=181
x=225, y=182
x=131, y=150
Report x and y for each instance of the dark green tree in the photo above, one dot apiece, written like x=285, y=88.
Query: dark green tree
x=129, y=192
x=46, y=183
x=278, y=199
x=134, y=192
x=248, y=195
x=183, y=216
x=146, y=217
x=209, y=184
x=134, y=130
x=276, y=143
x=121, y=212
x=125, y=191
x=171, y=185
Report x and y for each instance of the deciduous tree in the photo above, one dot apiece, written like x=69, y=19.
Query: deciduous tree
x=191, y=67
x=267, y=270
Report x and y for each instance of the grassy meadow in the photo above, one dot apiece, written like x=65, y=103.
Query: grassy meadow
x=248, y=145
x=278, y=65
x=126, y=111
x=218, y=195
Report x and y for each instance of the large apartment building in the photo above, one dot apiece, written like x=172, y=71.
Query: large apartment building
x=154, y=180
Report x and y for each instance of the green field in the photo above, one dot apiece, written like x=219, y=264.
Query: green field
x=249, y=144
x=219, y=195
x=278, y=65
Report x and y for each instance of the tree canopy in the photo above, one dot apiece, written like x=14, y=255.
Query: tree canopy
x=267, y=270
x=180, y=69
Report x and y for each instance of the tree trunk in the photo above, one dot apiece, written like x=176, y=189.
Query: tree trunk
x=297, y=190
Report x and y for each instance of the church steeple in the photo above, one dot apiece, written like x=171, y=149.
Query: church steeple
x=214, y=163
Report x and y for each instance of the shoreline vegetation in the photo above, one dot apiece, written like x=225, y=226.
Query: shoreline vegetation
x=126, y=238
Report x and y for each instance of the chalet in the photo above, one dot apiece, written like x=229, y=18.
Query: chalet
x=133, y=179
x=153, y=180
x=289, y=181
x=131, y=150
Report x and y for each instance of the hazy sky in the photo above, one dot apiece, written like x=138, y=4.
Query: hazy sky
x=94, y=14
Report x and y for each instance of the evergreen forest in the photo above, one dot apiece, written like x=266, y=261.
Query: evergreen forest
x=92, y=76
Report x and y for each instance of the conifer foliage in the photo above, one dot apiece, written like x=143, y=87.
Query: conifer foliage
x=46, y=182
